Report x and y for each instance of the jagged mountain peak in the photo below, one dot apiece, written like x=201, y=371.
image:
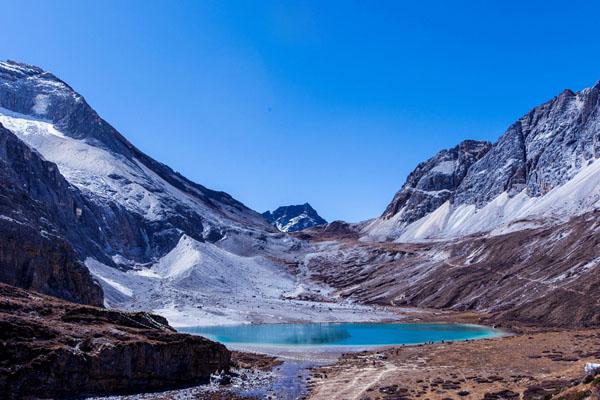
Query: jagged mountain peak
x=434, y=181
x=294, y=217
x=20, y=68
x=542, y=169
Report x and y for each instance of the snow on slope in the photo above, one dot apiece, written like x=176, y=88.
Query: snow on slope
x=503, y=214
x=95, y=169
x=200, y=284
x=296, y=223
x=191, y=264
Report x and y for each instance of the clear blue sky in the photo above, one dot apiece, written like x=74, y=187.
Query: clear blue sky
x=331, y=102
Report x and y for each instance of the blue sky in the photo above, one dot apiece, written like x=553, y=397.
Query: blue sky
x=330, y=102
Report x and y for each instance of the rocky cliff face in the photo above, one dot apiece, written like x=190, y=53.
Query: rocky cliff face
x=294, y=218
x=434, y=181
x=55, y=349
x=45, y=264
x=544, y=169
x=543, y=150
x=38, y=208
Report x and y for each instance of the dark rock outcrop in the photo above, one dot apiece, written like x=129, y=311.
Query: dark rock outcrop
x=53, y=349
x=38, y=208
x=335, y=230
x=45, y=264
x=294, y=218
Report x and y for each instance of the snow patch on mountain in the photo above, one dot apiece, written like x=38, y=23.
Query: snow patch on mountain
x=41, y=104
x=445, y=167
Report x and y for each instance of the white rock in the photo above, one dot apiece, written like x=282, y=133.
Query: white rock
x=591, y=368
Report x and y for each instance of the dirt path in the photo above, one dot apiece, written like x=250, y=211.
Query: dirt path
x=353, y=384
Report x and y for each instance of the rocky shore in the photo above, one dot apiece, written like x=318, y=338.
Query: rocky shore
x=53, y=348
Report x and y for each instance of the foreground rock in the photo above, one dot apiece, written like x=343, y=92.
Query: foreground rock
x=52, y=348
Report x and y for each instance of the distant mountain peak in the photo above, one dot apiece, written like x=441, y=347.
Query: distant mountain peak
x=294, y=217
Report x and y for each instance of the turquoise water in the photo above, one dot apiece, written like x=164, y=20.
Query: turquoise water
x=341, y=334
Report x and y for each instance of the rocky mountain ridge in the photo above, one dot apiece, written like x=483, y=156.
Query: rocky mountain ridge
x=544, y=168
x=142, y=203
x=294, y=218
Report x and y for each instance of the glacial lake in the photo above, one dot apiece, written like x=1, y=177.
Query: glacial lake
x=341, y=334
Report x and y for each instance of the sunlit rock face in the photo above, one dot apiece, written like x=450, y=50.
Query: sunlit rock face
x=434, y=181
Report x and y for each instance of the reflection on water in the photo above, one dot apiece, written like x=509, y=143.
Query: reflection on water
x=303, y=334
x=345, y=334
